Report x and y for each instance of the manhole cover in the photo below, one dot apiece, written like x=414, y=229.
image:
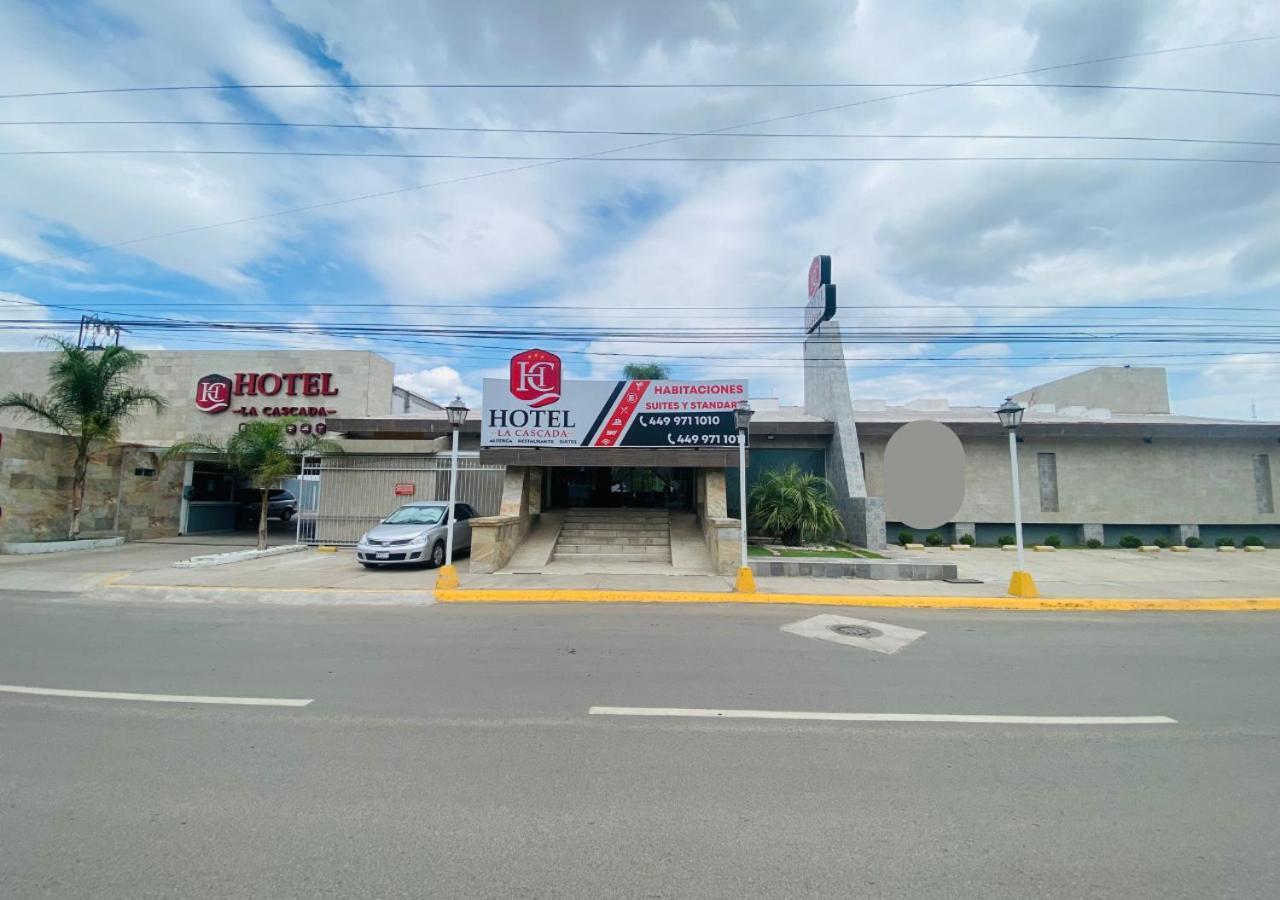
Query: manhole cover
x=858, y=631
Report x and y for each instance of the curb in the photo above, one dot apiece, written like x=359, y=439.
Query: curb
x=1062, y=604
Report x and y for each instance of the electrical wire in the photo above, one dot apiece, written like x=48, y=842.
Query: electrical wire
x=533, y=165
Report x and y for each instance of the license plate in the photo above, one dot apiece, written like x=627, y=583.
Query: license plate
x=382, y=555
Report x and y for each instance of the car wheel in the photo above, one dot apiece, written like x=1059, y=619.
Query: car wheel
x=437, y=555
x=286, y=515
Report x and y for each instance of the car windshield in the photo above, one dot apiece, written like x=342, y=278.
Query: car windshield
x=415, y=515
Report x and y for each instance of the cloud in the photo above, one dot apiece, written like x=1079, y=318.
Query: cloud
x=441, y=384
x=659, y=246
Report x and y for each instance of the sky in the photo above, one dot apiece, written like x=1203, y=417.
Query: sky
x=1147, y=248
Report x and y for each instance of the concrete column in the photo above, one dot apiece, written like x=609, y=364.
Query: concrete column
x=1089, y=532
x=1182, y=532
x=965, y=528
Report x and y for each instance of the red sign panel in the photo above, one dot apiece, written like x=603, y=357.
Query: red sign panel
x=819, y=273
x=405, y=490
x=213, y=393
x=535, y=377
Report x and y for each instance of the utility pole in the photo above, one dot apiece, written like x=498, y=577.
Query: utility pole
x=96, y=333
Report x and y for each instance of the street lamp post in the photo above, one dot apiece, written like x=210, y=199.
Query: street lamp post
x=1010, y=414
x=448, y=577
x=746, y=582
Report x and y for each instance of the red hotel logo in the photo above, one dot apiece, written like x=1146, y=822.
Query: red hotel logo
x=535, y=377
x=213, y=393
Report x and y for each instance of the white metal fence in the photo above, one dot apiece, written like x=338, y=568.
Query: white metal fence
x=341, y=497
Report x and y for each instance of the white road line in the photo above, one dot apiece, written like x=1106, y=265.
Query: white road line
x=153, y=698
x=877, y=717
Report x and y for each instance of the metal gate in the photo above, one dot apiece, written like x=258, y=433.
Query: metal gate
x=341, y=497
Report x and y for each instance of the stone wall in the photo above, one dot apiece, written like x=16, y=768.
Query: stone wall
x=121, y=498
x=721, y=533
x=495, y=538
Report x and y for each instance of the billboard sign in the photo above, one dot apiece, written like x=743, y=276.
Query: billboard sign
x=605, y=414
x=822, y=294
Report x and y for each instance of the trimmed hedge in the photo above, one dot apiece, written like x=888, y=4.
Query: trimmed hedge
x=906, y=537
x=967, y=539
x=1131, y=542
x=1005, y=540
x=1053, y=541
x=1225, y=542
x=1193, y=542
x=1093, y=544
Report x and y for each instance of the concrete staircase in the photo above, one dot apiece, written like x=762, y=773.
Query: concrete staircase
x=614, y=535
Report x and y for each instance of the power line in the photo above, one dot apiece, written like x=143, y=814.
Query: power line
x=437, y=129
x=632, y=159
x=533, y=165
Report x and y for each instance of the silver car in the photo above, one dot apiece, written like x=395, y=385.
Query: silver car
x=414, y=533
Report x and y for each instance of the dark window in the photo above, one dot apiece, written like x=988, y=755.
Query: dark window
x=465, y=511
x=1048, y=463
x=144, y=473
x=1262, y=483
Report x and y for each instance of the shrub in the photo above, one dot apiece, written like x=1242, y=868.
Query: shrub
x=1053, y=541
x=933, y=539
x=1093, y=544
x=968, y=539
x=1225, y=542
x=1005, y=540
x=1130, y=542
x=794, y=506
x=1162, y=543
x=1252, y=540
x=906, y=537
x=1193, y=542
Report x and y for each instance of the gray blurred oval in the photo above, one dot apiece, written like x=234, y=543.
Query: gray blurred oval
x=923, y=475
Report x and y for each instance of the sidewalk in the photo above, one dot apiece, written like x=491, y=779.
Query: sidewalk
x=144, y=570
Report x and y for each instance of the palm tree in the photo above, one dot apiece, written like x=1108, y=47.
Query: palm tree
x=89, y=399
x=650, y=371
x=263, y=452
x=794, y=506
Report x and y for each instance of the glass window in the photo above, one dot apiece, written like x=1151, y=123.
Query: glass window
x=416, y=515
x=1262, y=483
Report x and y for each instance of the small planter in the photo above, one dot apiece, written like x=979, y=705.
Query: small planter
x=1148, y=548
x=1225, y=549
x=1253, y=548
x=1011, y=547
x=1178, y=548
x=913, y=546
x=1044, y=548
x=961, y=547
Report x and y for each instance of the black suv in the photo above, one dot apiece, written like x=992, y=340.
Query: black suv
x=281, y=504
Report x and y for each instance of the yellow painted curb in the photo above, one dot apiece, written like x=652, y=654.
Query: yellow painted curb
x=324, y=549
x=1061, y=604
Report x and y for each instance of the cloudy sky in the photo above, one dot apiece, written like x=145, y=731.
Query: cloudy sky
x=982, y=247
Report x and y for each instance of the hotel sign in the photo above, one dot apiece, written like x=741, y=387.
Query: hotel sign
x=218, y=393
x=822, y=294
x=605, y=414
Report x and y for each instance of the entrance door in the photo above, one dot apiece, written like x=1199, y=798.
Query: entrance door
x=635, y=487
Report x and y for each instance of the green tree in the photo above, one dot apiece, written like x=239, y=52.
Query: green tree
x=261, y=451
x=794, y=506
x=89, y=398
x=650, y=371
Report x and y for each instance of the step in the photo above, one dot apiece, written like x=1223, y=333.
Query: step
x=658, y=541
x=651, y=549
x=604, y=558
x=606, y=533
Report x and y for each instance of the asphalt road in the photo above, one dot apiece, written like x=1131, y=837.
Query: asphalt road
x=448, y=753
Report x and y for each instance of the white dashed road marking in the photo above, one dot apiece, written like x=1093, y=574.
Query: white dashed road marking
x=153, y=698
x=876, y=717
